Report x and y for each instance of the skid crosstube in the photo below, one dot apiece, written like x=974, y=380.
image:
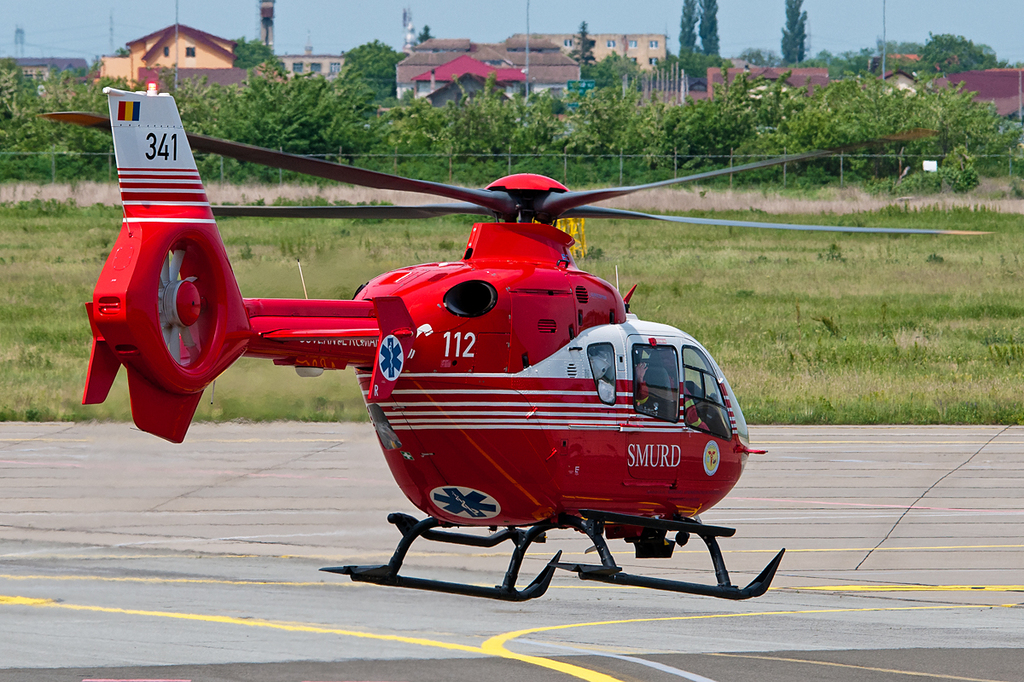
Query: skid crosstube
x=412, y=529
x=592, y=525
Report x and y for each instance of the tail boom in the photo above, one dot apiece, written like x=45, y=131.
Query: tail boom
x=167, y=305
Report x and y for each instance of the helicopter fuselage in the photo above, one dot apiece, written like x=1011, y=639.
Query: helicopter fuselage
x=522, y=396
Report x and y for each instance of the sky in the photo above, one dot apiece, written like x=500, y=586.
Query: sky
x=82, y=28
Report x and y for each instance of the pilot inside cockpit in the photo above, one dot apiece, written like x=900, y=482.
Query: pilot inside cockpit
x=656, y=381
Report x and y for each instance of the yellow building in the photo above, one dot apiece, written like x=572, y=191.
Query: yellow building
x=194, y=49
x=645, y=49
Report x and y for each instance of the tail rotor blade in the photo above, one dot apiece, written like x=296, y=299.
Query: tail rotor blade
x=187, y=338
x=175, y=344
x=175, y=268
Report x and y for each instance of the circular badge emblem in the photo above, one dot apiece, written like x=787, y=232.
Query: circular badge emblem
x=465, y=502
x=711, y=458
x=390, y=357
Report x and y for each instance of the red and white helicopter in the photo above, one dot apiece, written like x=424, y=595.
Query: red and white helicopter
x=509, y=390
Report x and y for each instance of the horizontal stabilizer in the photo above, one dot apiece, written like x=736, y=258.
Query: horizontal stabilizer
x=161, y=412
x=285, y=334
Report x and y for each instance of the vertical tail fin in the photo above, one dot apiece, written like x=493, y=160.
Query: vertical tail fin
x=166, y=304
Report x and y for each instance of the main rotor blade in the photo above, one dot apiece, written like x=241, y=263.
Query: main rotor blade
x=497, y=201
x=555, y=205
x=351, y=212
x=601, y=212
x=79, y=118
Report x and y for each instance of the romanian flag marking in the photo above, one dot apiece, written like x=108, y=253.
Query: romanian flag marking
x=128, y=111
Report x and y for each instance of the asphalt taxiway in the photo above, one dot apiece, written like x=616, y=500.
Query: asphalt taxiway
x=125, y=557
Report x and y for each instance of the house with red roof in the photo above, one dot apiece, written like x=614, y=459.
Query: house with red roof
x=451, y=73
x=195, y=52
x=811, y=78
x=1004, y=88
x=434, y=64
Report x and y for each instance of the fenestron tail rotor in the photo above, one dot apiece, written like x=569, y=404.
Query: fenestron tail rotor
x=180, y=307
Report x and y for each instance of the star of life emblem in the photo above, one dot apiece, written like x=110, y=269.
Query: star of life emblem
x=465, y=502
x=390, y=358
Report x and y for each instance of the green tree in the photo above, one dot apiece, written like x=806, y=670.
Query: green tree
x=375, y=63
x=302, y=115
x=251, y=53
x=713, y=126
x=948, y=53
x=584, y=50
x=697, y=63
x=709, y=27
x=609, y=71
x=844, y=63
x=424, y=35
x=794, y=35
x=688, y=27
x=759, y=57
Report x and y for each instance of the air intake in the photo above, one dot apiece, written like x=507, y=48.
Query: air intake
x=546, y=326
x=581, y=294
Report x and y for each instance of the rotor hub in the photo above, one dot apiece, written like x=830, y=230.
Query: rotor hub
x=187, y=303
x=180, y=303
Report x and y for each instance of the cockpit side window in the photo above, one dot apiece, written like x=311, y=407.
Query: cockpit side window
x=656, y=381
x=703, y=405
x=602, y=366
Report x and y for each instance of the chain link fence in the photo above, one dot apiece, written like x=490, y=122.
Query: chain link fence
x=480, y=169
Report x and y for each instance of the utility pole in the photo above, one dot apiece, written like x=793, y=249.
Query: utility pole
x=527, y=51
x=175, y=46
x=884, y=46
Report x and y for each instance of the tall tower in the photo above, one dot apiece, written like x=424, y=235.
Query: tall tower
x=19, y=42
x=267, y=23
x=410, y=30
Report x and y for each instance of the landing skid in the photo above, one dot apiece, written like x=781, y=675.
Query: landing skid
x=592, y=524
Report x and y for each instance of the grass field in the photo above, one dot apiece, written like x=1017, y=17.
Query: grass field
x=809, y=328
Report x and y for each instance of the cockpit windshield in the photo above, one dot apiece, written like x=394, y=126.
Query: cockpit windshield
x=703, y=405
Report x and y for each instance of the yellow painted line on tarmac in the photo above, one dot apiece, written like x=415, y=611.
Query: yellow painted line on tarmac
x=257, y=623
x=890, y=671
x=254, y=583
x=37, y=439
x=154, y=555
x=501, y=640
x=24, y=601
x=537, y=554
x=911, y=588
x=184, y=581
x=266, y=440
x=566, y=668
x=347, y=583
x=882, y=441
x=495, y=646
x=811, y=550
x=865, y=549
